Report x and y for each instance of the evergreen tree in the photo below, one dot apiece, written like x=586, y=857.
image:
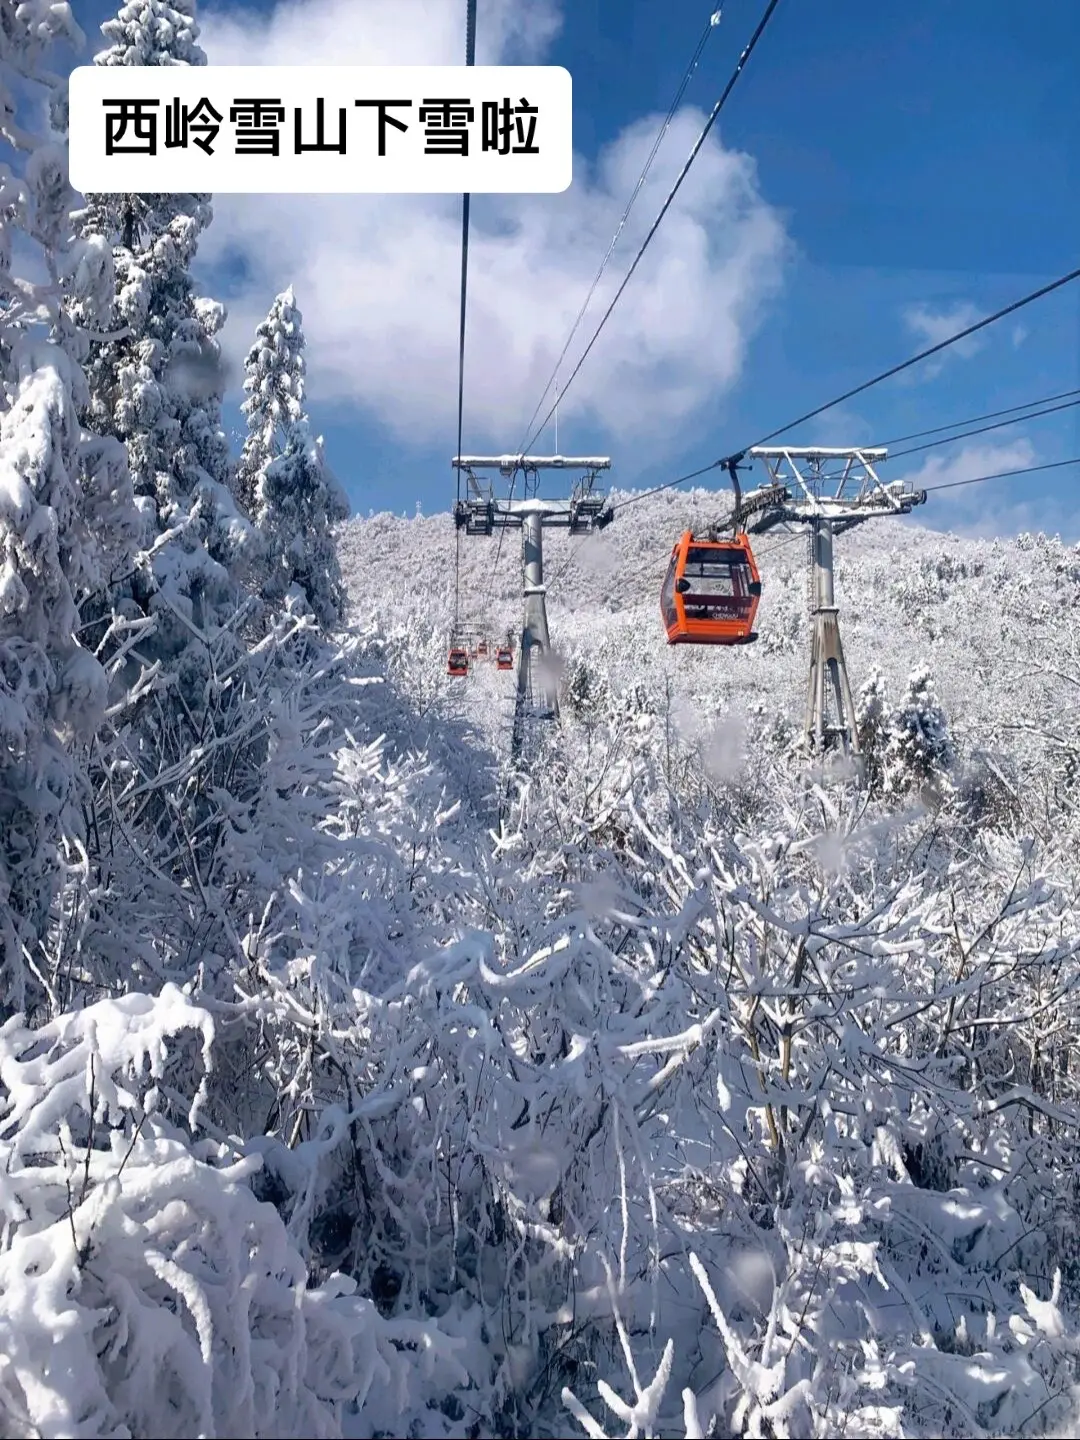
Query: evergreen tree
x=159, y=390
x=295, y=498
x=145, y=32
x=297, y=501
x=920, y=750
x=274, y=374
x=51, y=688
x=186, y=745
x=872, y=727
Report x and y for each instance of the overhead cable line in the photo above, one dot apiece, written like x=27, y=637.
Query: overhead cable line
x=923, y=355
x=695, y=59
x=470, y=59
x=1004, y=474
x=984, y=429
x=978, y=419
x=866, y=385
x=698, y=143
x=967, y=434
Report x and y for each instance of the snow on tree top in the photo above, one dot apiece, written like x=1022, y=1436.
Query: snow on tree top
x=153, y=32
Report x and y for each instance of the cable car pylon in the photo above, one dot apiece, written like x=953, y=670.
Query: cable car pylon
x=828, y=504
x=481, y=513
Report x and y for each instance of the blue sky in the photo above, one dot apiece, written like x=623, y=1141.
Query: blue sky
x=901, y=163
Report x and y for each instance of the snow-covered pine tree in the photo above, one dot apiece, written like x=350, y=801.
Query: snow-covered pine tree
x=919, y=752
x=274, y=377
x=51, y=688
x=585, y=693
x=144, y=32
x=160, y=388
x=298, y=500
x=871, y=726
x=294, y=496
x=185, y=749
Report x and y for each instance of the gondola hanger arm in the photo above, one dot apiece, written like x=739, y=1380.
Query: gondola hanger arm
x=731, y=463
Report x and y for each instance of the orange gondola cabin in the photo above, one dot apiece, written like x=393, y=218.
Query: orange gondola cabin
x=504, y=658
x=482, y=650
x=458, y=661
x=711, y=592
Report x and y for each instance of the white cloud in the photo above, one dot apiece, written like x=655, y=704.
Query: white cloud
x=377, y=277
x=971, y=461
x=990, y=509
x=932, y=326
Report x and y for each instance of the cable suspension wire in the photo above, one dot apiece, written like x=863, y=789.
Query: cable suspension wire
x=876, y=380
x=1004, y=474
x=967, y=434
x=470, y=59
x=698, y=143
x=695, y=59
x=499, y=544
x=978, y=419
x=461, y=334
x=924, y=354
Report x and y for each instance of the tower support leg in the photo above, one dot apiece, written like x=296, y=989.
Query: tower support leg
x=537, y=688
x=830, y=712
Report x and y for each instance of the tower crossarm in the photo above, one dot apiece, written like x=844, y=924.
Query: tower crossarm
x=481, y=513
x=508, y=464
x=820, y=474
x=906, y=501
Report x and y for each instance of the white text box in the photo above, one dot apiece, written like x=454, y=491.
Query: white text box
x=255, y=129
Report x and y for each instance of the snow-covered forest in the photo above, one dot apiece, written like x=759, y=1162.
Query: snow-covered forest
x=355, y=1083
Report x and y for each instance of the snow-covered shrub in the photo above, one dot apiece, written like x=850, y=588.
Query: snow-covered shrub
x=853, y=1141
x=207, y=821
x=819, y=1044
x=143, y=1288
